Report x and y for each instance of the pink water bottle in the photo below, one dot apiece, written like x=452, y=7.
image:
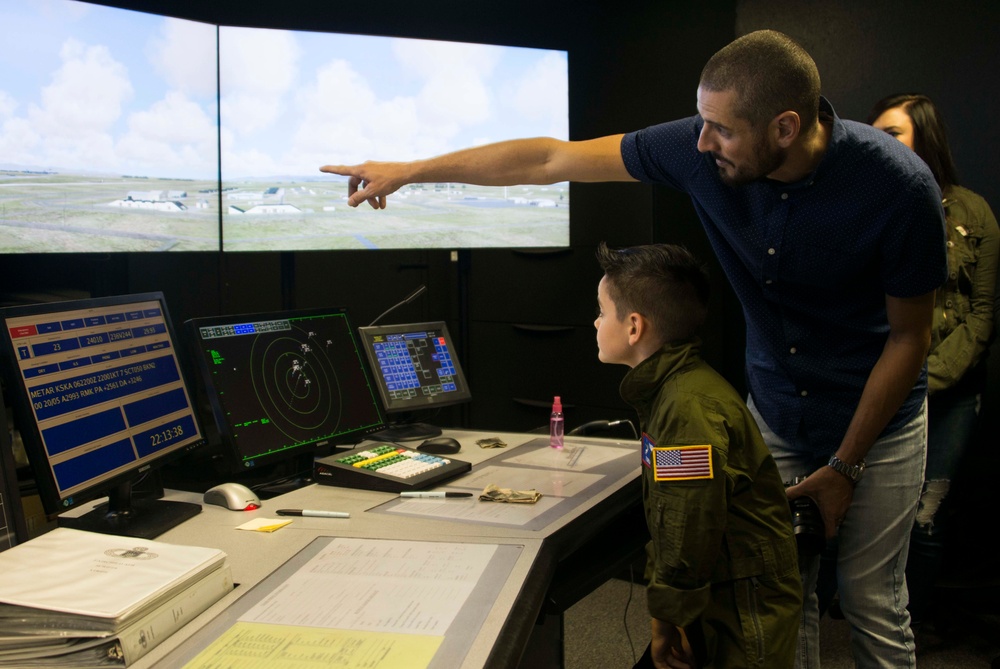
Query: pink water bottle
x=556, y=424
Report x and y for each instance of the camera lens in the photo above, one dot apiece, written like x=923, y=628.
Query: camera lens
x=807, y=525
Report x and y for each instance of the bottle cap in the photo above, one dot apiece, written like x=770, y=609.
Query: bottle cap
x=557, y=404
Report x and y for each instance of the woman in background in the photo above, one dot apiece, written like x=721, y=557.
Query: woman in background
x=961, y=335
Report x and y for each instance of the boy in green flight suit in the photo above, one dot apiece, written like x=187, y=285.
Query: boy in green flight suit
x=724, y=587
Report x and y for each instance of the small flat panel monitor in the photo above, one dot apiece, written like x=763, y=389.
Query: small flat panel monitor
x=416, y=367
x=284, y=384
x=100, y=399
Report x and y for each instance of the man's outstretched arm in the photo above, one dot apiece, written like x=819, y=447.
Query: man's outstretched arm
x=520, y=161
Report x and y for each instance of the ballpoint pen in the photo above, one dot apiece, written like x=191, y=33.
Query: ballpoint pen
x=310, y=512
x=435, y=494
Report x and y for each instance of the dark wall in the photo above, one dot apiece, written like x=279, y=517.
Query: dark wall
x=866, y=51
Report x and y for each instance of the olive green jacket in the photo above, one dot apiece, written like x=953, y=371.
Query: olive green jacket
x=963, y=307
x=735, y=525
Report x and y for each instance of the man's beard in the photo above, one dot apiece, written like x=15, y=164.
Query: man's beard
x=765, y=162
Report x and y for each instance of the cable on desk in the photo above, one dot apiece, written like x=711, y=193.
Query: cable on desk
x=602, y=426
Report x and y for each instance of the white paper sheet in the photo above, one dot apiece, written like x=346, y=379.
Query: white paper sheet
x=408, y=587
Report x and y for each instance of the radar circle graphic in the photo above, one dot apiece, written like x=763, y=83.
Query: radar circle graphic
x=297, y=384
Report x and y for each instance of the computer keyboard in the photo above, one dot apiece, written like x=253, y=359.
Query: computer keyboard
x=386, y=468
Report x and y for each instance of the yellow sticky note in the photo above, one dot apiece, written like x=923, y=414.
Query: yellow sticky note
x=264, y=524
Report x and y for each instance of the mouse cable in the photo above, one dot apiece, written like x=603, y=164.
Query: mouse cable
x=628, y=635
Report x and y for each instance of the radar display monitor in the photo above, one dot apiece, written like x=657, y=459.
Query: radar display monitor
x=284, y=384
x=415, y=368
x=100, y=399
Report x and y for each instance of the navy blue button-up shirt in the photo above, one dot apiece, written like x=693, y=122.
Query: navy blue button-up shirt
x=811, y=263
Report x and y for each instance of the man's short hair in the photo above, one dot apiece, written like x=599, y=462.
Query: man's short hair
x=662, y=282
x=770, y=73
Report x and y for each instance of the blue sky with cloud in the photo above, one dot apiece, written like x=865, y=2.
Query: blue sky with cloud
x=87, y=87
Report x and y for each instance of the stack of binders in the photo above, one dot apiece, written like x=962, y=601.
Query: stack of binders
x=81, y=599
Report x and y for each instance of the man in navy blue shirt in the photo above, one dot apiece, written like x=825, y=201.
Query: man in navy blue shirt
x=832, y=236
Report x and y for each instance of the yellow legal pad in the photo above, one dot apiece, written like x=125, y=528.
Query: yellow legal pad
x=263, y=646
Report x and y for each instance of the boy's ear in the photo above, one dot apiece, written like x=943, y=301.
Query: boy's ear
x=637, y=328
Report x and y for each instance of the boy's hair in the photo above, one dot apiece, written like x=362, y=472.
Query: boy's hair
x=770, y=74
x=662, y=282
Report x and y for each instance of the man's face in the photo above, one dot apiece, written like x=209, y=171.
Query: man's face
x=741, y=152
x=612, y=334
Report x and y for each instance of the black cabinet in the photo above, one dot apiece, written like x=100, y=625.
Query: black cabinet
x=531, y=337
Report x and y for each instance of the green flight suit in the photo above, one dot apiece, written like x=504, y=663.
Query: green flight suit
x=722, y=562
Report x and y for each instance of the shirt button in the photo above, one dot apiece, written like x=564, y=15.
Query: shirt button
x=771, y=252
x=804, y=393
x=768, y=281
x=793, y=350
x=784, y=196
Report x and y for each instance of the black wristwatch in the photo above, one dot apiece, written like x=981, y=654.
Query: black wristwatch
x=851, y=472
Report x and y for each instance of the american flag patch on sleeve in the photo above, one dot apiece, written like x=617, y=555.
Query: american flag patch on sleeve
x=680, y=463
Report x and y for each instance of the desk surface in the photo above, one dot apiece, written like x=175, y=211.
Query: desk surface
x=255, y=555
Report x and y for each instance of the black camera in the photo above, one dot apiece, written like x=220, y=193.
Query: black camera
x=807, y=523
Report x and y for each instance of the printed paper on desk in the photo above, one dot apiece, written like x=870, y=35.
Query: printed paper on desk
x=682, y=463
x=260, y=645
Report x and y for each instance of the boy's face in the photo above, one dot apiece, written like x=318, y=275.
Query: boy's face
x=612, y=334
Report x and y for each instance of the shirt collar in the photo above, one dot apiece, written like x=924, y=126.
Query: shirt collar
x=642, y=380
x=837, y=134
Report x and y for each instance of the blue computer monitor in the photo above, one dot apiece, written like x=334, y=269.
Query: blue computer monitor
x=100, y=400
x=416, y=370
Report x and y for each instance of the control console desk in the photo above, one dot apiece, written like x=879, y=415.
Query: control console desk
x=544, y=555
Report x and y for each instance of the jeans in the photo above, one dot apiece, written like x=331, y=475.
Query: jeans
x=952, y=417
x=872, y=547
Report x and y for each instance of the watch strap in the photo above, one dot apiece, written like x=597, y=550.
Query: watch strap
x=851, y=472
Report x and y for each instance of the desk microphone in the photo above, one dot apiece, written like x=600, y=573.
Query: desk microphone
x=406, y=300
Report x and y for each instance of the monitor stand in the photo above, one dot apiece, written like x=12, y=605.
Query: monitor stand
x=139, y=517
x=406, y=432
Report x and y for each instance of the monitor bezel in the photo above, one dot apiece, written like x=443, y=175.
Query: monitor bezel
x=232, y=459
x=393, y=406
x=53, y=501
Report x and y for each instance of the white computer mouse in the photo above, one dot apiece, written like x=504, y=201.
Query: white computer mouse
x=233, y=496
